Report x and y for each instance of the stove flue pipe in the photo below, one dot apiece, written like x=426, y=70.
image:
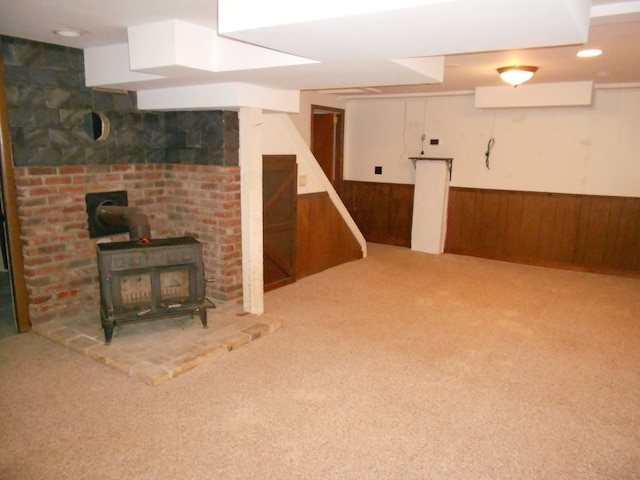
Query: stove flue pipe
x=131, y=217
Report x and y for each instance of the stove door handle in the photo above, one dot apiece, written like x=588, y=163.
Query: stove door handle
x=172, y=305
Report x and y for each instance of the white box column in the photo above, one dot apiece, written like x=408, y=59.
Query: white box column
x=430, y=198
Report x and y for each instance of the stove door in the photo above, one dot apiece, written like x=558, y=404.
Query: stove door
x=175, y=286
x=132, y=292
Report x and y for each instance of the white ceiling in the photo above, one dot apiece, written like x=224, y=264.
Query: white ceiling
x=378, y=47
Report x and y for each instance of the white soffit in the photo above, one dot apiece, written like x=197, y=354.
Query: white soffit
x=167, y=47
x=614, y=7
x=331, y=29
x=535, y=95
x=109, y=66
x=158, y=47
x=229, y=96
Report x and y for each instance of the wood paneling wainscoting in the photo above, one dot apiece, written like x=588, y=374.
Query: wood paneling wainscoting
x=588, y=232
x=382, y=211
x=323, y=238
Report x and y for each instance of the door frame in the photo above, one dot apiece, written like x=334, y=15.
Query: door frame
x=10, y=202
x=338, y=165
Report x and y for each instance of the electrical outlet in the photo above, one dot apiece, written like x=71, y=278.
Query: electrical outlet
x=435, y=141
x=377, y=170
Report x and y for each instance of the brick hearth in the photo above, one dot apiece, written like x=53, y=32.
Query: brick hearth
x=155, y=352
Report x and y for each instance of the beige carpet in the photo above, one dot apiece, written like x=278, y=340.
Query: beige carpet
x=399, y=366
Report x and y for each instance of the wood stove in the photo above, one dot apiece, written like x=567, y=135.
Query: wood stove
x=150, y=279
x=143, y=279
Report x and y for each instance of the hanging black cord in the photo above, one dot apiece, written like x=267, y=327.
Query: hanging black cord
x=487, y=154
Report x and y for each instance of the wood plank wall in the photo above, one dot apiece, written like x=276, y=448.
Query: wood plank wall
x=587, y=232
x=323, y=238
x=382, y=211
x=596, y=233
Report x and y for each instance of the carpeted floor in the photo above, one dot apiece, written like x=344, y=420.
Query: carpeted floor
x=400, y=366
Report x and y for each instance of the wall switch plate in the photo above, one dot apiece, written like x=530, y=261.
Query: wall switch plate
x=377, y=170
x=435, y=141
x=302, y=181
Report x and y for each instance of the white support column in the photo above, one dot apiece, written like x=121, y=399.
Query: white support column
x=250, y=154
x=430, y=198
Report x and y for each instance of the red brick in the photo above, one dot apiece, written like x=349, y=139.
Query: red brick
x=43, y=171
x=79, y=179
x=153, y=175
x=122, y=168
x=29, y=181
x=71, y=190
x=71, y=169
x=42, y=191
x=57, y=180
x=98, y=168
x=63, y=199
x=133, y=176
x=104, y=178
x=39, y=300
x=34, y=261
x=68, y=293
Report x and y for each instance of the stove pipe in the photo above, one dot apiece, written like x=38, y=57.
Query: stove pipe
x=131, y=217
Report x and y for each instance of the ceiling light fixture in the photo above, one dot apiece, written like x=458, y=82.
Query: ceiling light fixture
x=69, y=32
x=517, y=74
x=591, y=52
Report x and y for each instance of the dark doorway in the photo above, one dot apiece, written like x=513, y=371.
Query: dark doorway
x=8, y=325
x=327, y=141
x=279, y=196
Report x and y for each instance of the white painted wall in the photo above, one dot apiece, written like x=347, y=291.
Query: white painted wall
x=280, y=136
x=277, y=140
x=586, y=150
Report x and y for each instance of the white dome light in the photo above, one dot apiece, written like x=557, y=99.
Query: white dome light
x=517, y=75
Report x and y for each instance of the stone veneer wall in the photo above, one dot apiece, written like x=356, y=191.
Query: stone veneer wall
x=180, y=168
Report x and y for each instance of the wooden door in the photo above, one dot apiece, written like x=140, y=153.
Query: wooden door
x=279, y=196
x=327, y=140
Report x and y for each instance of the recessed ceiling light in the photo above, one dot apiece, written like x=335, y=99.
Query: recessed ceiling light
x=69, y=32
x=592, y=52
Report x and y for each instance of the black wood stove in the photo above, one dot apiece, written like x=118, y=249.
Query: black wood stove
x=150, y=279
x=143, y=279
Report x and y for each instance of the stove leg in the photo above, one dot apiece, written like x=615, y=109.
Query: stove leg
x=202, y=311
x=108, y=331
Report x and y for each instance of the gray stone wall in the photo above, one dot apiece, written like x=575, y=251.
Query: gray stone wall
x=48, y=102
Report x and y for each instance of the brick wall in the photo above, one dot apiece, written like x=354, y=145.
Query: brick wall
x=204, y=202
x=180, y=168
x=61, y=270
